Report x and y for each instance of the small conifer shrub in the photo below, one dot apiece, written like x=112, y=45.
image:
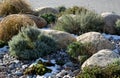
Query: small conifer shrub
x=30, y=44
x=80, y=51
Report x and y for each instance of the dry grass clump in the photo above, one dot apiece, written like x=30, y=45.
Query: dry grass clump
x=11, y=25
x=14, y=6
x=81, y=23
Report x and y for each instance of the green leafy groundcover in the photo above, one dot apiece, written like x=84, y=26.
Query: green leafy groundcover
x=37, y=69
x=50, y=18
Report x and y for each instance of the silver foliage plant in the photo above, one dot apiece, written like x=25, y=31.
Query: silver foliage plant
x=31, y=44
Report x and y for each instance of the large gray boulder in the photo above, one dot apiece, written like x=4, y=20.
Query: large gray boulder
x=97, y=41
x=102, y=58
x=110, y=19
x=39, y=21
x=62, y=38
x=46, y=10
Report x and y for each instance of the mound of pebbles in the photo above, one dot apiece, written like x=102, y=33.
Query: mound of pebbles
x=12, y=68
x=115, y=39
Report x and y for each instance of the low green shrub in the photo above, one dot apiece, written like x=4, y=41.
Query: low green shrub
x=37, y=69
x=50, y=18
x=40, y=68
x=110, y=71
x=118, y=26
x=91, y=21
x=83, y=58
x=75, y=49
x=30, y=44
x=69, y=24
x=80, y=51
x=48, y=63
x=14, y=7
x=81, y=23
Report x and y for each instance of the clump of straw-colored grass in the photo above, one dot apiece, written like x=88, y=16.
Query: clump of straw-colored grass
x=12, y=24
x=14, y=6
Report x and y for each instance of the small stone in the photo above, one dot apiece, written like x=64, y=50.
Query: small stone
x=24, y=66
x=2, y=75
x=3, y=68
x=68, y=64
x=1, y=64
x=18, y=65
x=76, y=72
x=18, y=73
x=13, y=71
x=1, y=56
x=9, y=71
x=67, y=76
x=9, y=75
x=31, y=76
x=23, y=76
x=62, y=73
x=16, y=61
x=12, y=66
